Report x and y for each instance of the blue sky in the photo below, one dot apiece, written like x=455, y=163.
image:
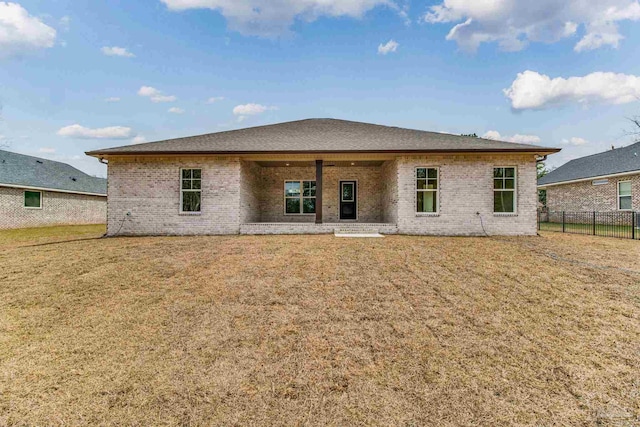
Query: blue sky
x=80, y=75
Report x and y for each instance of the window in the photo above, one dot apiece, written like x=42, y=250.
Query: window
x=33, y=199
x=427, y=190
x=624, y=195
x=504, y=190
x=190, y=190
x=299, y=197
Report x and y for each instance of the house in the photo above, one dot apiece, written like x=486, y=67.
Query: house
x=38, y=192
x=604, y=182
x=318, y=175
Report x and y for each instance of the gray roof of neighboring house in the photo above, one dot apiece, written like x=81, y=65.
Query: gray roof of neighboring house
x=20, y=170
x=322, y=135
x=620, y=160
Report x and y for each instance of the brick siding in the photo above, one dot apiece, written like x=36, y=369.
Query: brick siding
x=236, y=192
x=466, y=188
x=585, y=197
x=369, y=196
x=57, y=209
x=149, y=189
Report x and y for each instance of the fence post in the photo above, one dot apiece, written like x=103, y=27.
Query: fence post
x=633, y=225
x=563, y=221
x=594, y=223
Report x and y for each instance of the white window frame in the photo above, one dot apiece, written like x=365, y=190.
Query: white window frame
x=415, y=193
x=24, y=199
x=182, y=191
x=302, y=197
x=515, y=190
x=619, y=196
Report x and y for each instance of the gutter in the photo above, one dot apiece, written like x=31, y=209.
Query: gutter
x=101, y=154
x=52, y=190
x=590, y=178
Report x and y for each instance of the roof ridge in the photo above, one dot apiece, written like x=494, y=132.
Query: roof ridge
x=602, y=152
x=221, y=134
x=50, y=161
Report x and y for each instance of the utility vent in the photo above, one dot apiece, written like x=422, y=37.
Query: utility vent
x=600, y=182
x=73, y=179
x=39, y=161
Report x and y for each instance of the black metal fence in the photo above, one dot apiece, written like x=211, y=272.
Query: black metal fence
x=625, y=225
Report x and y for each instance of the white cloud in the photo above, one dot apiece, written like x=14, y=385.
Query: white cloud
x=148, y=91
x=390, y=46
x=20, y=32
x=251, y=109
x=112, y=99
x=215, y=99
x=139, y=139
x=273, y=18
x=575, y=141
x=81, y=132
x=515, y=23
x=155, y=95
x=531, y=90
x=117, y=51
x=517, y=138
x=47, y=150
x=175, y=110
x=65, y=23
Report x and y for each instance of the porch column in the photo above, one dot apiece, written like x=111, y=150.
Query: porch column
x=319, y=165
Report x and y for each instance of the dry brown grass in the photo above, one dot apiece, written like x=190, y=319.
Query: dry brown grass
x=314, y=330
x=45, y=235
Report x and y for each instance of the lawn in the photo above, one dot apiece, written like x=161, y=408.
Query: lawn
x=316, y=330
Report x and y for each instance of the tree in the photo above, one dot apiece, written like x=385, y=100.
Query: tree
x=542, y=171
x=635, y=130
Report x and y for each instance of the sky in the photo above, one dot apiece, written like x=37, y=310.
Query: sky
x=78, y=75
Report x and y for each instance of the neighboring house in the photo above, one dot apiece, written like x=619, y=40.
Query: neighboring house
x=317, y=175
x=37, y=192
x=604, y=182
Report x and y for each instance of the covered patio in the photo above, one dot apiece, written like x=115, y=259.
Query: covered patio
x=318, y=196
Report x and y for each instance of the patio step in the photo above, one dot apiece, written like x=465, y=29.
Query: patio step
x=354, y=230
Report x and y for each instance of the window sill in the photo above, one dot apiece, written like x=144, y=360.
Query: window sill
x=427, y=214
x=190, y=213
x=505, y=214
x=305, y=214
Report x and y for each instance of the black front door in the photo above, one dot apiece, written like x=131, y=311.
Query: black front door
x=348, y=200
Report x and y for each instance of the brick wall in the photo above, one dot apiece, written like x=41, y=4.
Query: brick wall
x=466, y=187
x=370, y=189
x=149, y=188
x=250, y=188
x=272, y=193
x=584, y=196
x=236, y=192
x=57, y=209
x=389, y=194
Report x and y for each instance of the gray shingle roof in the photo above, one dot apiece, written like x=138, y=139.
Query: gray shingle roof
x=620, y=160
x=321, y=135
x=18, y=169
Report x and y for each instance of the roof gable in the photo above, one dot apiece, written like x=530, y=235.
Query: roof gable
x=620, y=160
x=21, y=170
x=321, y=135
